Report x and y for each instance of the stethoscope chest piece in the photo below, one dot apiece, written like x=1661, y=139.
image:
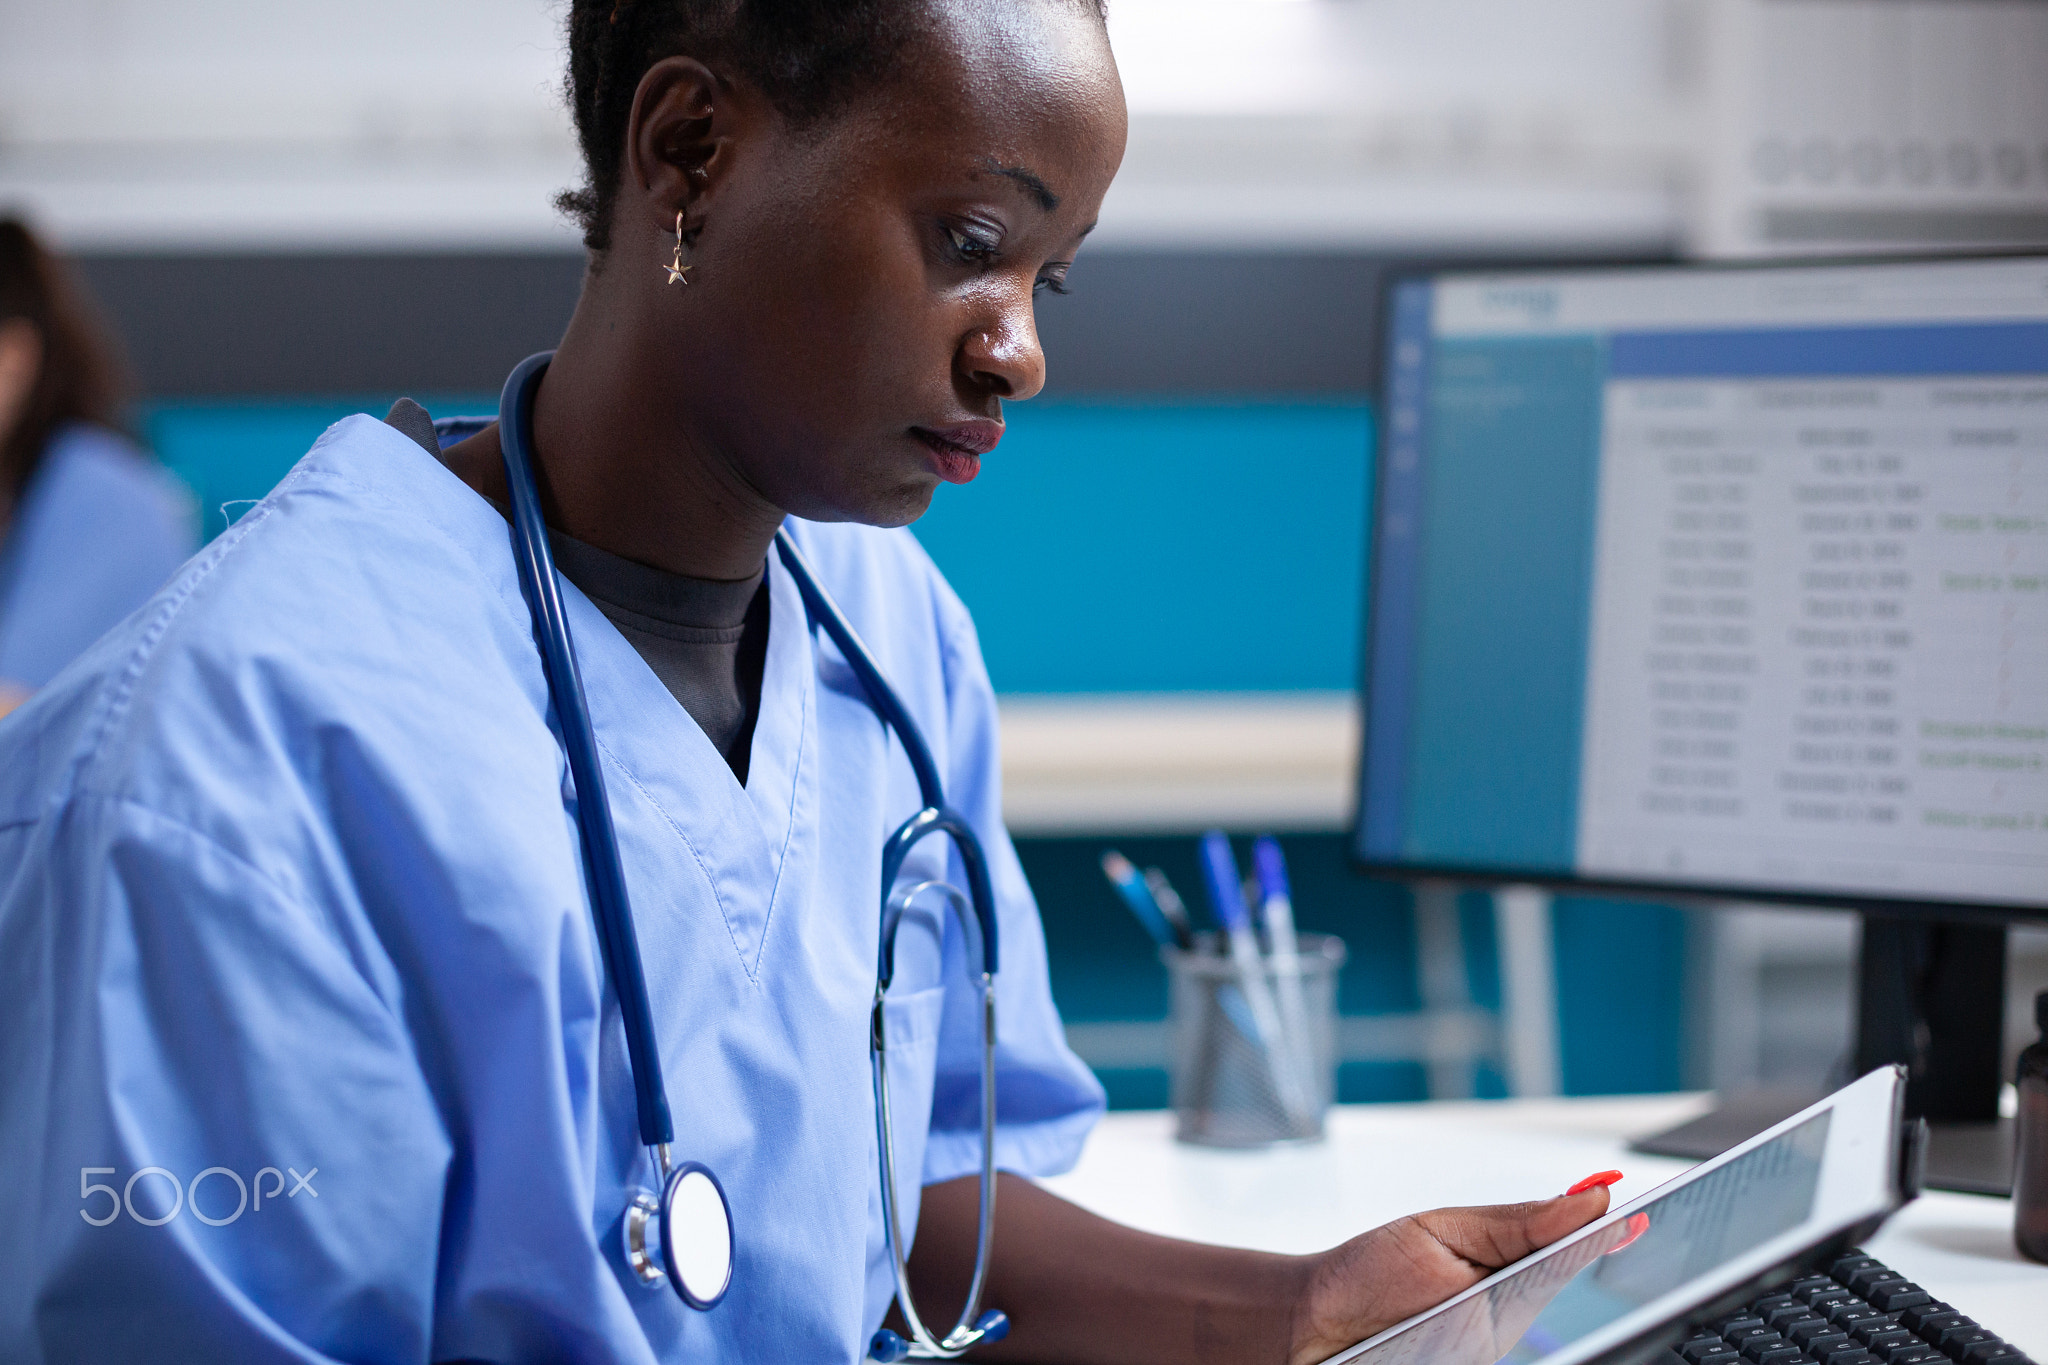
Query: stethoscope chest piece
x=684, y=1236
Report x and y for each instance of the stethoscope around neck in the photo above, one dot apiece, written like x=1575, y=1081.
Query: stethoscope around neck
x=684, y=1233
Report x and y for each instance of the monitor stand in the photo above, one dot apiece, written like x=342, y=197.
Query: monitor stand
x=1930, y=996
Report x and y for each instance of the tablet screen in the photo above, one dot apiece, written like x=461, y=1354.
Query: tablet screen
x=1621, y=1266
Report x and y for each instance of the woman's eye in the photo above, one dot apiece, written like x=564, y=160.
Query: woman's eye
x=1054, y=284
x=971, y=247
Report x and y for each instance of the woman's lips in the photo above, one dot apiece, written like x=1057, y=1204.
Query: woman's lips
x=957, y=450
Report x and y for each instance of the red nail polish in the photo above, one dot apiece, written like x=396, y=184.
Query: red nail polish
x=1601, y=1180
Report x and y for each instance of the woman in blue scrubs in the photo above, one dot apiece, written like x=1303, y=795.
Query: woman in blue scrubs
x=306, y=1038
x=89, y=526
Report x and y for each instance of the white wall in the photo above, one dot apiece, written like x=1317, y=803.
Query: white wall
x=1407, y=123
x=1886, y=125
x=233, y=123
x=230, y=123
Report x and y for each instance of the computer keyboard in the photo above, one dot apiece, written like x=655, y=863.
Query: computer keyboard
x=1861, y=1312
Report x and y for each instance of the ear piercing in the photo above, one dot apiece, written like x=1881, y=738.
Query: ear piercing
x=677, y=272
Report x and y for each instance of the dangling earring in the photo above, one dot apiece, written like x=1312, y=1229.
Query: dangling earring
x=678, y=273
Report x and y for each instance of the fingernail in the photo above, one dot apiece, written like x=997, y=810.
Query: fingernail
x=1604, y=1178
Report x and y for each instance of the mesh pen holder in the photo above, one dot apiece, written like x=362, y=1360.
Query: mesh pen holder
x=1229, y=1088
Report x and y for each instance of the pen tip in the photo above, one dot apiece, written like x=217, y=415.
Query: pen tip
x=1117, y=866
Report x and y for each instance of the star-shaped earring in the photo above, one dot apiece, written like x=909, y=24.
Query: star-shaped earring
x=677, y=272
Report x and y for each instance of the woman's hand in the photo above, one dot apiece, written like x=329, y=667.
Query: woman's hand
x=1390, y=1274
x=1083, y=1290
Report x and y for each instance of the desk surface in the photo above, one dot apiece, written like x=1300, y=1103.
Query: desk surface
x=1385, y=1160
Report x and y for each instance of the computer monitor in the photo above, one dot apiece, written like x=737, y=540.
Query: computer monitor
x=1719, y=582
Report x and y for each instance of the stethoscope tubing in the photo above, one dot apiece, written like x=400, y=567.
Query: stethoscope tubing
x=609, y=903
x=936, y=817
x=880, y=695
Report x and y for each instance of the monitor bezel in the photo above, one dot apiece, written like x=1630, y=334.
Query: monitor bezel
x=1490, y=875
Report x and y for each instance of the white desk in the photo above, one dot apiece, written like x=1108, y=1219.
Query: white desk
x=1385, y=1160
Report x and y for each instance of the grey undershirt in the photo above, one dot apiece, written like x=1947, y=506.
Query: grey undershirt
x=705, y=638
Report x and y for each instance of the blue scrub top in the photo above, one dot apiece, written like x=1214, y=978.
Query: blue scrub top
x=99, y=527
x=290, y=891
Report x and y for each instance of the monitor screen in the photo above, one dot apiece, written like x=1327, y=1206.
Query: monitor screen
x=1727, y=579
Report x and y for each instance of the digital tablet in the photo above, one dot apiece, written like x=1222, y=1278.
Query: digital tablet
x=1621, y=1287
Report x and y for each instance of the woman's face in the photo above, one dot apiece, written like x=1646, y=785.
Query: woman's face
x=863, y=293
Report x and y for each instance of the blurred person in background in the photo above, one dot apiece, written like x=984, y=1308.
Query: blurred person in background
x=89, y=525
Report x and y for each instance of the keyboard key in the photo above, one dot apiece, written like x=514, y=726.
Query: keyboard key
x=1822, y=1300
x=1897, y=1296
x=1992, y=1352
x=1955, y=1341
x=1782, y=1352
x=1778, y=1319
x=1929, y=1316
x=1808, y=1284
x=1692, y=1349
x=1764, y=1306
x=1851, y=1355
x=1738, y=1330
x=1891, y=1336
x=1848, y=1315
x=1919, y=1353
x=1870, y=1276
x=1814, y=1341
x=1845, y=1266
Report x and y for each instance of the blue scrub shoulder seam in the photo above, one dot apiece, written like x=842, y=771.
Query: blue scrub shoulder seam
x=113, y=706
x=514, y=605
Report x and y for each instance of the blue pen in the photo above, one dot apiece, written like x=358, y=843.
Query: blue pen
x=1276, y=907
x=1131, y=886
x=1226, y=892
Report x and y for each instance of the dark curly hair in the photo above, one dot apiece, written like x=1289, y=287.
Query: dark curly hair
x=809, y=57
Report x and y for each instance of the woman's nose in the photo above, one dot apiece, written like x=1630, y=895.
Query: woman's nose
x=1004, y=357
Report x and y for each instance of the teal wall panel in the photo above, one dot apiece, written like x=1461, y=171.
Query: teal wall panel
x=1106, y=547
x=1105, y=968
x=1124, y=547
x=231, y=454
x=1620, y=1001
x=1620, y=965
